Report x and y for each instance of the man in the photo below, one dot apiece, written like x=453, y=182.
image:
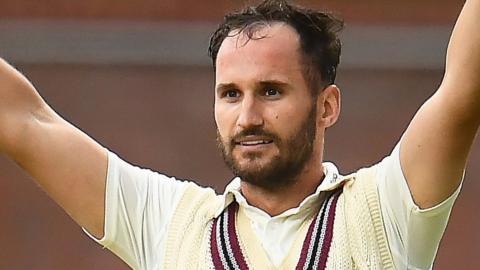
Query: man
x=275, y=96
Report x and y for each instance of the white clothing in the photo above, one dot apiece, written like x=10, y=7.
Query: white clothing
x=140, y=204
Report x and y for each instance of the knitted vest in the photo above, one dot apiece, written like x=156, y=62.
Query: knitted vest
x=359, y=240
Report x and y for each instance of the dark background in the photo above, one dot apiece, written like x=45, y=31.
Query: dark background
x=160, y=115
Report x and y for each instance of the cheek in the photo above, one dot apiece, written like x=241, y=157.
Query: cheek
x=288, y=119
x=282, y=115
x=222, y=121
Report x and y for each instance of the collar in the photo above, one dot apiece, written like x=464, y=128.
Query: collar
x=331, y=181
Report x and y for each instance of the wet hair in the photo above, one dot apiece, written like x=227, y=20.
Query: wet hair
x=318, y=31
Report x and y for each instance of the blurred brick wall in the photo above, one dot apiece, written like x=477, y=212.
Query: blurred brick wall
x=376, y=11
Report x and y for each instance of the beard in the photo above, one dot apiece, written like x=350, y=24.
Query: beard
x=282, y=169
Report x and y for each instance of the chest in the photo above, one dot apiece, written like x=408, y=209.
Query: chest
x=354, y=240
x=233, y=244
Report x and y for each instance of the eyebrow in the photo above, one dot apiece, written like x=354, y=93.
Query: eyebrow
x=276, y=83
x=226, y=86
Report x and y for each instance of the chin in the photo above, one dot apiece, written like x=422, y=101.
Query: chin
x=263, y=173
x=254, y=162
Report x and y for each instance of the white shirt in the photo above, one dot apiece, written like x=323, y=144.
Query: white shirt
x=140, y=204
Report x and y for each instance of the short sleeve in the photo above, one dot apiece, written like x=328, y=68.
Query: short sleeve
x=413, y=234
x=139, y=204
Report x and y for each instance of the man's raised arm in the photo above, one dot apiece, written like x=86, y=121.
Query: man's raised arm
x=67, y=164
x=435, y=147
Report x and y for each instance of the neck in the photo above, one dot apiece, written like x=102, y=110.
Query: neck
x=275, y=202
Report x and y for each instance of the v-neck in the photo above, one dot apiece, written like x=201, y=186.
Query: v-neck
x=255, y=253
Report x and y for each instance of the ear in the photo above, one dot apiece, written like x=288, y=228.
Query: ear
x=328, y=106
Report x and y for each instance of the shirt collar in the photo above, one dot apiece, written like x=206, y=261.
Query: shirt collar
x=331, y=181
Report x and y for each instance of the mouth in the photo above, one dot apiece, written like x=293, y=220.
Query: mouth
x=251, y=141
x=254, y=143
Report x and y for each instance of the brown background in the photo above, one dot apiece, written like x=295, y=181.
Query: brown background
x=161, y=117
x=376, y=11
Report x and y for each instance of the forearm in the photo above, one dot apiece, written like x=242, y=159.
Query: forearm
x=462, y=76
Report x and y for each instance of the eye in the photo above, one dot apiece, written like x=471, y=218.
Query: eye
x=271, y=92
x=231, y=94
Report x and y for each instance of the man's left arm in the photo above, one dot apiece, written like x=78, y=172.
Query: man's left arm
x=435, y=146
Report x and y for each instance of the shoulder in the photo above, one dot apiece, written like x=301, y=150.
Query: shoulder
x=362, y=180
x=200, y=201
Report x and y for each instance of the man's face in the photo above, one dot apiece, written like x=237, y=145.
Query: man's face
x=265, y=114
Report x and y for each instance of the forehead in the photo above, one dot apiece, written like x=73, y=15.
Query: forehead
x=273, y=51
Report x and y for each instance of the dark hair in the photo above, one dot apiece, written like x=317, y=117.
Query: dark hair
x=319, y=42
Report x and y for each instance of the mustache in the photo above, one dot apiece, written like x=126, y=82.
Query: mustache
x=253, y=131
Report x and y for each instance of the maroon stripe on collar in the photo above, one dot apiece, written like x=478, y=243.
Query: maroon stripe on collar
x=327, y=242
x=237, y=250
x=318, y=243
x=306, y=243
x=217, y=261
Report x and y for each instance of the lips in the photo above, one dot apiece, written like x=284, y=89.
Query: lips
x=253, y=141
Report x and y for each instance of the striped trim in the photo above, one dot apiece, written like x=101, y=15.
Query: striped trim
x=224, y=245
x=214, y=249
x=317, y=243
x=227, y=254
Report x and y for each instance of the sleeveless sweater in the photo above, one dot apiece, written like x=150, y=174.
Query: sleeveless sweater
x=359, y=240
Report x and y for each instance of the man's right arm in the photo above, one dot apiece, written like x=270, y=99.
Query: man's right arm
x=64, y=161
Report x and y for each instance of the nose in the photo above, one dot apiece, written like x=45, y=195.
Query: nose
x=250, y=113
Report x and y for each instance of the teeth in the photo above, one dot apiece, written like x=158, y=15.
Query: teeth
x=254, y=142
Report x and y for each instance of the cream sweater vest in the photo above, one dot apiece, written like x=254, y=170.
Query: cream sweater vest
x=359, y=239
